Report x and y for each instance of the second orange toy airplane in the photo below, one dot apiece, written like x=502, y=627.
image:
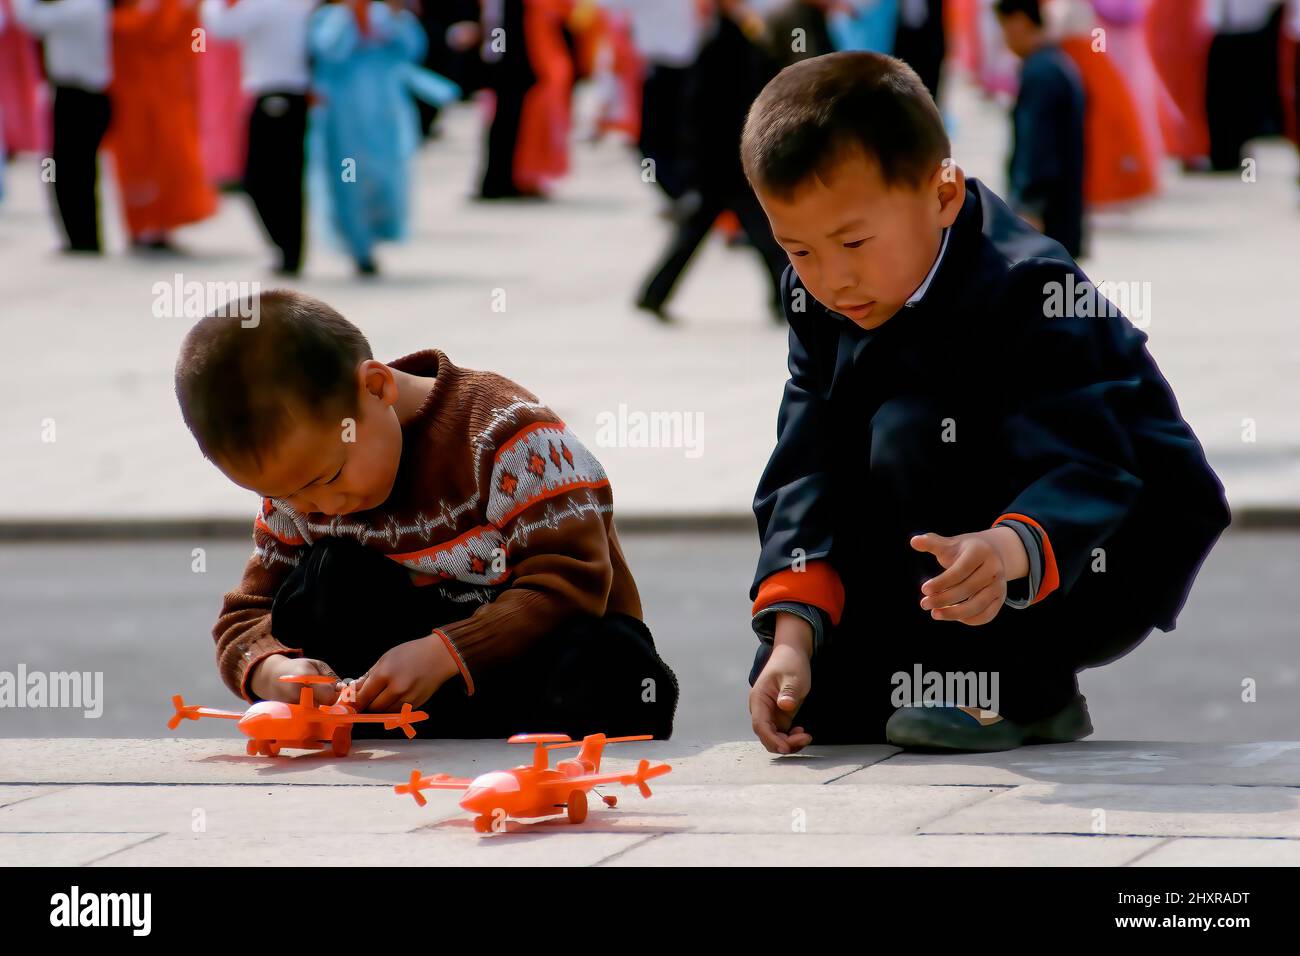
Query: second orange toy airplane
x=538, y=790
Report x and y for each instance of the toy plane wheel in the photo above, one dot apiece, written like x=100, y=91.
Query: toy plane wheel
x=341, y=742
x=271, y=748
x=610, y=801
x=251, y=749
x=577, y=806
x=483, y=824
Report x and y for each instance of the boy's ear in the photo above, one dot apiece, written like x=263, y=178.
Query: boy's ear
x=948, y=185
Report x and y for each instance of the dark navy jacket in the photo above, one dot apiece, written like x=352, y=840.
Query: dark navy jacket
x=1097, y=445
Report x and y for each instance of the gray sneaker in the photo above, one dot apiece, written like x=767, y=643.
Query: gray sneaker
x=973, y=730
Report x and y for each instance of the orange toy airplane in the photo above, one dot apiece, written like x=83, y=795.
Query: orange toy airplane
x=303, y=726
x=538, y=790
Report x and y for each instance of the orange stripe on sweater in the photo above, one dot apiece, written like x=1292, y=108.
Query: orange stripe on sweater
x=523, y=433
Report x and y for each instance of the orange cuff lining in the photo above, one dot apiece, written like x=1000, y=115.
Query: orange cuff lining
x=1051, y=579
x=460, y=661
x=818, y=584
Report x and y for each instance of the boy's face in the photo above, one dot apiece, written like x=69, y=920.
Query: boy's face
x=859, y=247
x=334, y=468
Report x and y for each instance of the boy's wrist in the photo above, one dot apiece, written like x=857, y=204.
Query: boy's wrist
x=263, y=673
x=1015, y=560
x=793, y=631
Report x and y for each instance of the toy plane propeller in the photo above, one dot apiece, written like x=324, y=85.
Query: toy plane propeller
x=306, y=725
x=538, y=790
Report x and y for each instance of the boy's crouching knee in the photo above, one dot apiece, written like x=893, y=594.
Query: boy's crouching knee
x=610, y=679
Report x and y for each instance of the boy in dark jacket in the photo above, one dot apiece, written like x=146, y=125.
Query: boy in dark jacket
x=981, y=478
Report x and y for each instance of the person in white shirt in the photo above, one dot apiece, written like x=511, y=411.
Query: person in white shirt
x=272, y=37
x=76, y=35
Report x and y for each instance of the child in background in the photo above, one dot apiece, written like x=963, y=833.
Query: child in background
x=1045, y=173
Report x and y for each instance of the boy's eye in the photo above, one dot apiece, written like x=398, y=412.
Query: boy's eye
x=856, y=243
x=801, y=253
x=336, y=476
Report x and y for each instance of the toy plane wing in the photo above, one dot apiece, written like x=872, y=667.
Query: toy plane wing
x=390, y=721
x=643, y=773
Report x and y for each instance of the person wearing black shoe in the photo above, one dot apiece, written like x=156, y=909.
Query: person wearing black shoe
x=726, y=76
x=982, y=483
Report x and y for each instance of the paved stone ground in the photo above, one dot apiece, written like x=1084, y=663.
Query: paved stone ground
x=136, y=612
x=88, y=353
x=149, y=802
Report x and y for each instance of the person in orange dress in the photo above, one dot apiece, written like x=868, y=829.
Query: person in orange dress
x=154, y=136
x=1118, y=164
x=542, y=151
x=1179, y=39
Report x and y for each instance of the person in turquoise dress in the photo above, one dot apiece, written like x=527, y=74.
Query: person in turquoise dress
x=364, y=126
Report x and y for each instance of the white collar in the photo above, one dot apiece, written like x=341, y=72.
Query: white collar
x=921, y=290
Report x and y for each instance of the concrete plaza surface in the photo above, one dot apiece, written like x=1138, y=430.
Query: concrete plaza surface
x=91, y=364
x=149, y=802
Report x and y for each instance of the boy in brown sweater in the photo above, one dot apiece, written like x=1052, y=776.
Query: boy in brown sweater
x=435, y=531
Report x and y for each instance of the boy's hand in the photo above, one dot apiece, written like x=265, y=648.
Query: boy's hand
x=782, y=686
x=266, y=684
x=979, y=565
x=409, y=673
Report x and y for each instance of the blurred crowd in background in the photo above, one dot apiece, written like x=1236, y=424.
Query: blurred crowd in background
x=316, y=109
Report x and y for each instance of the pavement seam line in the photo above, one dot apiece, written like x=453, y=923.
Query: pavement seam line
x=152, y=836
x=615, y=855
x=1149, y=850
x=918, y=830
x=34, y=796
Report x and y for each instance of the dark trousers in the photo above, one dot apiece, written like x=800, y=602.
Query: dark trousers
x=80, y=121
x=906, y=481
x=346, y=604
x=273, y=171
x=1241, y=91
x=503, y=136
x=922, y=48
x=663, y=100
x=693, y=230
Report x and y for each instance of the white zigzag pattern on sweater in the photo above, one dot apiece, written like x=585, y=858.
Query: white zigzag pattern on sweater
x=287, y=522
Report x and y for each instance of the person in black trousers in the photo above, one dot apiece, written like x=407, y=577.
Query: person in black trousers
x=1241, y=89
x=919, y=40
x=273, y=171
x=509, y=75
x=726, y=76
x=76, y=36
x=81, y=118
x=589, y=676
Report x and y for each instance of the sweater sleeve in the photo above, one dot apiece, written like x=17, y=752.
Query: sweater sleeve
x=548, y=502
x=243, y=629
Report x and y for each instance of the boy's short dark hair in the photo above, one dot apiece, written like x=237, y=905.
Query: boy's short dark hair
x=237, y=386
x=814, y=111
x=1030, y=8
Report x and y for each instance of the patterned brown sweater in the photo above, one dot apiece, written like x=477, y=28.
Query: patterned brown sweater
x=486, y=472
